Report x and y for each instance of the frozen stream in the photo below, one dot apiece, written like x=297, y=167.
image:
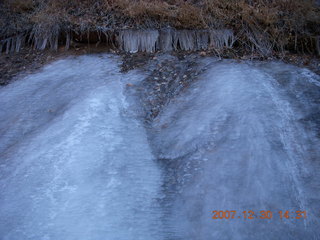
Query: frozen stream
x=77, y=161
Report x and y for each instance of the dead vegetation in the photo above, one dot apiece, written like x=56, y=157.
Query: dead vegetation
x=261, y=26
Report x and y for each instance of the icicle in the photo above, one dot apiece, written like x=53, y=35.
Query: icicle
x=138, y=40
x=19, y=42
x=166, y=40
x=8, y=41
x=128, y=41
x=221, y=38
x=35, y=42
x=260, y=42
x=12, y=45
x=229, y=38
x=30, y=39
x=38, y=43
x=148, y=42
x=184, y=40
x=53, y=40
x=318, y=44
x=56, y=43
x=68, y=40
x=202, y=40
x=43, y=45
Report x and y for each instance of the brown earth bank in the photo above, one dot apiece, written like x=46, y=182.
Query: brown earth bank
x=275, y=25
x=17, y=65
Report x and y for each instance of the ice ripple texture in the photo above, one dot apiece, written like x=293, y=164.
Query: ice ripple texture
x=73, y=164
x=78, y=163
x=238, y=139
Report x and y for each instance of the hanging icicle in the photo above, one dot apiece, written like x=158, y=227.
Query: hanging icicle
x=167, y=40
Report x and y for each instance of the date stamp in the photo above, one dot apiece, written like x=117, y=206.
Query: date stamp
x=232, y=214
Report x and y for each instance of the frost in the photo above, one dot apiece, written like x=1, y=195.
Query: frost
x=132, y=41
x=12, y=44
x=138, y=40
x=168, y=40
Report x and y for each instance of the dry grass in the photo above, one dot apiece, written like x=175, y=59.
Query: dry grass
x=266, y=24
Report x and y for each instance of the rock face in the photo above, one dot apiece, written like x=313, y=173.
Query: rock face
x=78, y=160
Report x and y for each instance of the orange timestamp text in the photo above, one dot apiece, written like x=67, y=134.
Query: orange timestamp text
x=263, y=214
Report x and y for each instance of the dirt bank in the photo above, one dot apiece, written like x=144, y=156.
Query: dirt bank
x=17, y=65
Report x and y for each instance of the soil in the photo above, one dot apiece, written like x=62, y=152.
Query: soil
x=17, y=65
x=168, y=75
